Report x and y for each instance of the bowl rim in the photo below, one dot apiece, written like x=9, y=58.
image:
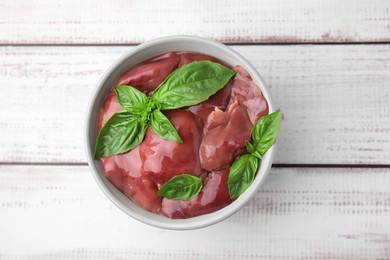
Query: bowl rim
x=194, y=222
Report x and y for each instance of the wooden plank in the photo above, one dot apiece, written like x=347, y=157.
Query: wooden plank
x=335, y=100
x=119, y=22
x=58, y=212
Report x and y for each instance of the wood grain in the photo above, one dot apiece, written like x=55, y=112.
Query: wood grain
x=58, y=212
x=334, y=98
x=249, y=21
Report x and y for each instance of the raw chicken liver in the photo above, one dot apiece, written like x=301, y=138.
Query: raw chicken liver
x=214, y=134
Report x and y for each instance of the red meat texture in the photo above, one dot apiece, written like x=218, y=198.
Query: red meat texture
x=213, y=132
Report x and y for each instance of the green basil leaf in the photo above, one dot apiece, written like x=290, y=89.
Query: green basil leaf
x=251, y=149
x=191, y=84
x=132, y=100
x=265, y=132
x=181, y=187
x=121, y=133
x=242, y=173
x=163, y=127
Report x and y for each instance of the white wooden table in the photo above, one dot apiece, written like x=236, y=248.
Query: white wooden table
x=327, y=64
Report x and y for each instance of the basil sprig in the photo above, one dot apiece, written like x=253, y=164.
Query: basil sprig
x=181, y=187
x=189, y=85
x=263, y=136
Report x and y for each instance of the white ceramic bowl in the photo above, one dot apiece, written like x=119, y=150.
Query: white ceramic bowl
x=133, y=57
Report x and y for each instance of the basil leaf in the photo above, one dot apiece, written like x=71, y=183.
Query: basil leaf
x=121, y=133
x=181, y=187
x=265, y=132
x=163, y=127
x=251, y=149
x=132, y=100
x=242, y=173
x=192, y=84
